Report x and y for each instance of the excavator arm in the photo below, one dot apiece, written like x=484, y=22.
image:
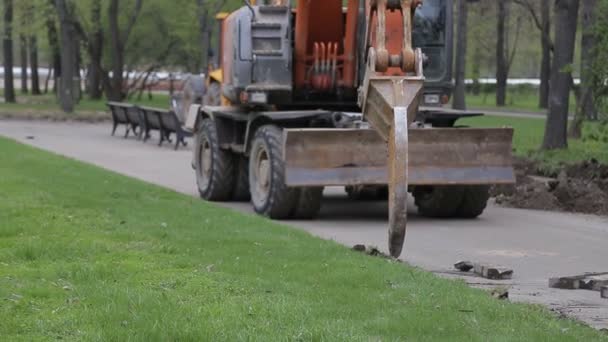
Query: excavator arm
x=390, y=104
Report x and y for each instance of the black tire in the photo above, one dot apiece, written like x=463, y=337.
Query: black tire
x=474, y=201
x=240, y=193
x=438, y=201
x=213, y=95
x=367, y=192
x=214, y=167
x=269, y=194
x=309, y=203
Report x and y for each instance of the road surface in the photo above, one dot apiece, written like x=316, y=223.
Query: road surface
x=537, y=245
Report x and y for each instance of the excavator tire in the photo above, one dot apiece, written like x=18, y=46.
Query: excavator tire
x=215, y=174
x=270, y=195
x=308, y=204
x=240, y=193
x=474, y=201
x=367, y=192
x=439, y=201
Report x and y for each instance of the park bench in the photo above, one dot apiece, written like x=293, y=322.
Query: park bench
x=166, y=122
x=128, y=115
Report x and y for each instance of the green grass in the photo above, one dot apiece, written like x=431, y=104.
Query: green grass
x=86, y=254
x=529, y=136
x=47, y=104
x=521, y=99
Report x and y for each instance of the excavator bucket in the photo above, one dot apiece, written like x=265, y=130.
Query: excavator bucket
x=390, y=104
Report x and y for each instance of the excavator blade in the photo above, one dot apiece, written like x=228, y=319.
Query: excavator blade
x=436, y=156
x=390, y=105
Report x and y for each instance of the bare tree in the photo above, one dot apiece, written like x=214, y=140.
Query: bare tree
x=459, y=101
x=566, y=13
x=9, y=87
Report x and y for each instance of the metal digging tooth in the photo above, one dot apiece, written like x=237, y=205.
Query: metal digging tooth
x=390, y=105
x=397, y=162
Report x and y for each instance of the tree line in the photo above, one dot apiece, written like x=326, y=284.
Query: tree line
x=108, y=39
x=112, y=39
x=557, y=22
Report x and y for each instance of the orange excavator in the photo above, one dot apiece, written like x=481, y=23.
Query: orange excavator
x=325, y=95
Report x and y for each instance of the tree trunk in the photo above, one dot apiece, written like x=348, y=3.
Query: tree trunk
x=68, y=56
x=586, y=106
x=588, y=42
x=545, y=64
x=95, y=48
x=461, y=54
x=23, y=62
x=118, y=40
x=205, y=33
x=566, y=14
x=34, y=65
x=53, y=39
x=502, y=67
x=115, y=92
x=9, y=86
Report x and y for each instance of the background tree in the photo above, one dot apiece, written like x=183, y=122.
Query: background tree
x=9, y=87
x=50, y=15
x=540, y=11
x=461, y=53
x=67, y=28
x=566, y=13
x=113, y=84
x=23, y=62
x=505, y=50
x=586, y=103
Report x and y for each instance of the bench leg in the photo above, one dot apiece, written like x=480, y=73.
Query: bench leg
x=114, y=128
x=127, y=131
x=146, y=135
x=162, y=137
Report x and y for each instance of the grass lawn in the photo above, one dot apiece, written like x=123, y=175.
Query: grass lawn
x=86, y=254
x=529, y=136
x=518, y=99
x=46, y=106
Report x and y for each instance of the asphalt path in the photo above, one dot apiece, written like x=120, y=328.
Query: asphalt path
x=537, y=245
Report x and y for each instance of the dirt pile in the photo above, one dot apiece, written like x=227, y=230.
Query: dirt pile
x=581, y=187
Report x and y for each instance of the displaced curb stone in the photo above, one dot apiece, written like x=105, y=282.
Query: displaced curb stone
x=464, y=266
x=492, y=272
x=588, y=281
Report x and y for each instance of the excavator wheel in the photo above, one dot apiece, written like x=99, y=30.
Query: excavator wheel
x=308, y=204
x=438, y=201
x=240, y=192
x=452, y=201
x=215, y=174
x=474, y=201
x=367, y=192
x=270, y=195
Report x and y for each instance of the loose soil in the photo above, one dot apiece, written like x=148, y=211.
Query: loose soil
x=581, y=188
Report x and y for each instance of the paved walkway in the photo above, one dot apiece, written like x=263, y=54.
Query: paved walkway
x=535, y=244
